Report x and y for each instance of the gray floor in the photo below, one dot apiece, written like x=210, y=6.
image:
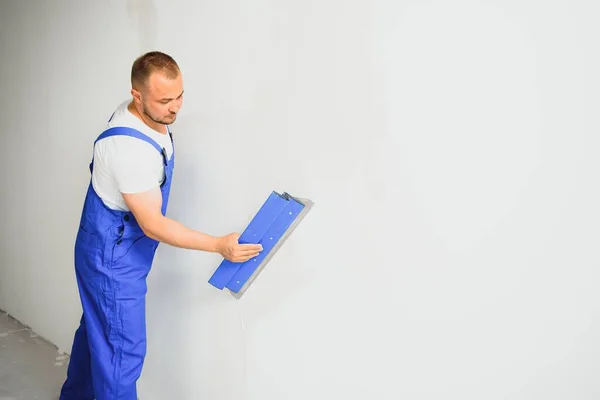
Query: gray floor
x=30, y=367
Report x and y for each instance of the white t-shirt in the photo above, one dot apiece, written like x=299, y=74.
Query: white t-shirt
x=124, y=164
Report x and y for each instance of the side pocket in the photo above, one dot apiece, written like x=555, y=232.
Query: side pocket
x=133, y=250
x=88, y=254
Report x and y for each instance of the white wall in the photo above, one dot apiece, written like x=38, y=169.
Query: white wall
x=451, y=151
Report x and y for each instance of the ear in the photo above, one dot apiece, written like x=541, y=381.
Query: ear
x=137, y=96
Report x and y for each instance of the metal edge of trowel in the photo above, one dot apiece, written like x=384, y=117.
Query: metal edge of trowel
x=308, y=204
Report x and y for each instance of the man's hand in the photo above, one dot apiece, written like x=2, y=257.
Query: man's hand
x=231, y=250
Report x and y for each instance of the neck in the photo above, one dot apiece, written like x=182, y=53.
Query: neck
x=160, y=128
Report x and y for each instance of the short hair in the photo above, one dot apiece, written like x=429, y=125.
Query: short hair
x=151, y=62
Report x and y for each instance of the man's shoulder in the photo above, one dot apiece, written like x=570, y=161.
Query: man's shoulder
x=119, y=145
x=125, y=146
x=122, y=118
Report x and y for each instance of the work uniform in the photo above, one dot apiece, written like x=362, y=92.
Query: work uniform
x=113, y=257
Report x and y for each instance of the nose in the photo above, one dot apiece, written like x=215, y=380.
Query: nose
x=175, y=107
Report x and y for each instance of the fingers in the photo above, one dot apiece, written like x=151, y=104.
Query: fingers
x=241, y=259
x=237, y=252
x=251, y=247
x=245, y=252
x=245, y=257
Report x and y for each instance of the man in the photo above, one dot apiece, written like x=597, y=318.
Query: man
x=122, y=223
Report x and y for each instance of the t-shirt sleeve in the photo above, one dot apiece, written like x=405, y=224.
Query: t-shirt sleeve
x=135, y=167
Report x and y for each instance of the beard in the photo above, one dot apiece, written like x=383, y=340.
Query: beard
x=164, y=120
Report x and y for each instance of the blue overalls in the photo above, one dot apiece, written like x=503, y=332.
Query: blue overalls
x=113, y=256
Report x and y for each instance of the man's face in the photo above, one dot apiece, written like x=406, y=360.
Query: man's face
x=162, y=98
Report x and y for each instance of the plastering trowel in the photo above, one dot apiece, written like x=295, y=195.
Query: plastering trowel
x=271, y=226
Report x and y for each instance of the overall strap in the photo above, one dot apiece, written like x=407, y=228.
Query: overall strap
x=124, y=131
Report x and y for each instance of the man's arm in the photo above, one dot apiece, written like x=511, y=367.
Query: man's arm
x=146, y=207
